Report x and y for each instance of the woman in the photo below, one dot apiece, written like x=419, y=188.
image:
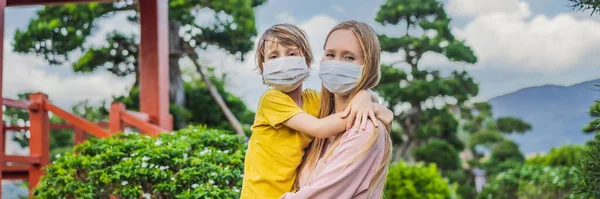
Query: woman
x=354, y=163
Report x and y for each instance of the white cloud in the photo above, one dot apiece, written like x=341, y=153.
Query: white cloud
x=338, y=8
x=35, y=75
x=479, y=7
x=516, y=41
x=285, y=17
x=111, y=24
x=30, y=76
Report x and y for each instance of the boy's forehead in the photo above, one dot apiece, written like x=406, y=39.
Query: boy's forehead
x=273, y=44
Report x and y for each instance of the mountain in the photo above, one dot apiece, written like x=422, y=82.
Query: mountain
x=556, y=113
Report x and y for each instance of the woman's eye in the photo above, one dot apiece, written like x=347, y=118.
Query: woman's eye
x=349, y=58
x=329, y=55
x=273, y=57
x=292, y=54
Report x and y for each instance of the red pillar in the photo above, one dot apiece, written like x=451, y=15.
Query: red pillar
x=115, y=123
x=39, y=140
x=2, y=7
x=154, y=62
x=80, y=136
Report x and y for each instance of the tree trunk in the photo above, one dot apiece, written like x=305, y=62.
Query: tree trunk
x=410, y=125
x=176, y=89
x=215, y=94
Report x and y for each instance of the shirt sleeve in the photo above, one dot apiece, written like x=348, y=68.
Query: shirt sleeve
x=277, y=107
x=338, y=179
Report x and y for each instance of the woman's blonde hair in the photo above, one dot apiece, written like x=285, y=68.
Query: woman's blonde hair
x=287, y=35
x=370, y=77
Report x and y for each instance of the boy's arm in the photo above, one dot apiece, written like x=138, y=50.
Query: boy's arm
x=333, y=124
x=384, y=114
x=319, y=128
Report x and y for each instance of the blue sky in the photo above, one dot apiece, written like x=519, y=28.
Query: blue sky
x=520, y=43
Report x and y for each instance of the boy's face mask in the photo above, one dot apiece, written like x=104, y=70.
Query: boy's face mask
x=285, y=73
x=339, y=77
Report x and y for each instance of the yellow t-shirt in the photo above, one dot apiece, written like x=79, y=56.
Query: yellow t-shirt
x=274, y=150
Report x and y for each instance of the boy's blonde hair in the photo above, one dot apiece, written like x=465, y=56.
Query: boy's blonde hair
x=287, y=35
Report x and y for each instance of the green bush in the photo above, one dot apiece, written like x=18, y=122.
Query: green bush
x=194, y=162
x=439, y=152
x=533, y=182
x=569, y=155
x=416, y=181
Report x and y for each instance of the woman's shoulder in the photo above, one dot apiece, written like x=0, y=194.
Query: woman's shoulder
x=364, y=134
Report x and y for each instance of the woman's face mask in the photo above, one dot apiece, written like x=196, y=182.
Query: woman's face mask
x=339, y=77
x=285, y=73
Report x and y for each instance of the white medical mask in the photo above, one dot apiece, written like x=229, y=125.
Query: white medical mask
x=339, y=77
x=285, y=73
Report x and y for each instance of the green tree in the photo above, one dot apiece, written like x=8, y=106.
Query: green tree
x=588, y=173
x=507, y=150
x=426, y=29
x=57, y=31
x=486, y=131
x=589, y=169
x=481, y=130
x=439, y=152
x=583, y=5
x=594, y=125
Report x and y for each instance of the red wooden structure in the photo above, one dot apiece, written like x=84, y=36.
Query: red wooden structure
x=153, y=118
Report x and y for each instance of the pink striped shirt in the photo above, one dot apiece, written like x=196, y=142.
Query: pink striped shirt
x=337, y=179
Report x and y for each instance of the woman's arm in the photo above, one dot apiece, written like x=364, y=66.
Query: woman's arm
x=343, y=174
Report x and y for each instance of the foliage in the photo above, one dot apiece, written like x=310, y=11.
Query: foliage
x=568, y=155
x=511, y=124
x=594, y=125
x=439, y=152
x=418, y=87
x=461, y=177
x=507, y=150
x=532, y=181
x=504, y=156
x=494, y=167
x=589, y=169
x=195, y=162
x=592, y=5
x=589, y=173
x=416, y=181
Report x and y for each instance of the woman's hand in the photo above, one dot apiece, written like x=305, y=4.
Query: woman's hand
x=360, y=108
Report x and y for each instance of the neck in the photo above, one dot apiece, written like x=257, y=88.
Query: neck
x=340, y=102
x=296, y=95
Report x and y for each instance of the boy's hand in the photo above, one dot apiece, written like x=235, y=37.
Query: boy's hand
x=360, y=108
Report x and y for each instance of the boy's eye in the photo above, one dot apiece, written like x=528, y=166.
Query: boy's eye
x=292, y=54
x=329, y=55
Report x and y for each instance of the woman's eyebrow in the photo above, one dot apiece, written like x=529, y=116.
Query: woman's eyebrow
x=347, y=52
